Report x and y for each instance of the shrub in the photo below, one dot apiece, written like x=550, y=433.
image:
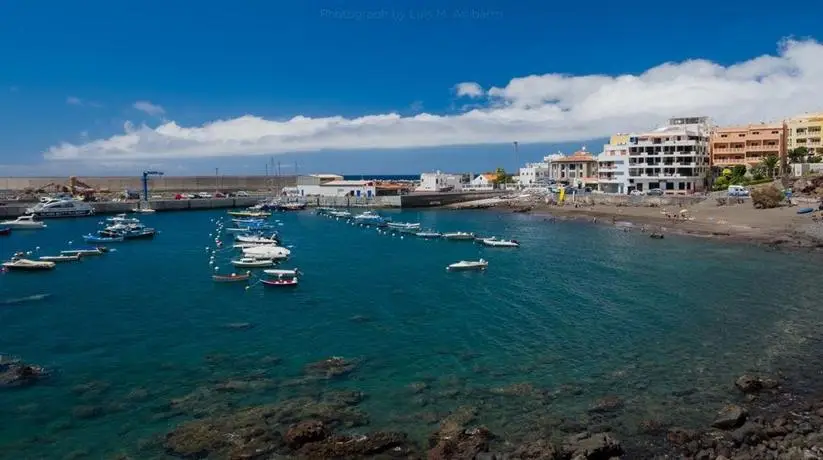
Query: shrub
x=766, y=197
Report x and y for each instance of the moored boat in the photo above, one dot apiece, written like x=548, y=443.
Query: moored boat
x=23, y=223
x=251, y=262
x=102, y=239
x=61, y=207
x=282, y=272
x=428, y=235
x=403, y=225
x=280, y=282
x=18, y=263
x=61, y=258
x=257, y=239
x=85, y=252
x=123, y=219
x=495, y=243
x=5, y=231
x=468, y=265
x=231, y=278
x=459, y=236
x=249, y=213
x=266, y=252
x=369, y=218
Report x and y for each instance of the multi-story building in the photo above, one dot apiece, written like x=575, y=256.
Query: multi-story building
x=534, y=174
x=613, y=165
x=806, y=131
x=440, y=182
x=748, y=145
x=578, y=169
x=673, y=158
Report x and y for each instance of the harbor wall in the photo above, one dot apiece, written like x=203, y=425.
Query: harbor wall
x=158, y=184
x=115, y=207
x=424, y=200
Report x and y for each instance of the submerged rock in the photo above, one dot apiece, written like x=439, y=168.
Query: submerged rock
x=730, y=417
x=463, y=444
x=370, y=444
x=331, y=367
x=305, y=432
x=607, y=404
x=749, y=384
x=14, y=373
x=588, y=446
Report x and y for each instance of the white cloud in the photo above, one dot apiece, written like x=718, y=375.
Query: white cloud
x=151, y=109
x=469, y=89
x=73, y=100
x=532, y=109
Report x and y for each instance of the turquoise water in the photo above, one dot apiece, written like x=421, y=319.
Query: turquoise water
x=579, y=312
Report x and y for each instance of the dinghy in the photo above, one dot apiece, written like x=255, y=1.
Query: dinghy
x=404, y=225
x=280, y=282
x=231, y=278
x=468, y=265
x=458, y=236
x=5, y=231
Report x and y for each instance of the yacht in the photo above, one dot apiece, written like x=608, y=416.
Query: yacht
x=23, y=223
x=61, y=207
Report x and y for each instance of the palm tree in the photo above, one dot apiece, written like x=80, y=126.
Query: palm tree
x=770, y=164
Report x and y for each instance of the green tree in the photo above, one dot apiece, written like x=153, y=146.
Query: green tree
x=500, y=176
x=738, y=174
x=770, y=164
x=758, y=172
x=798, y=154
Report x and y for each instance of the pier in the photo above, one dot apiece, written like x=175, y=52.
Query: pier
x=14, y=208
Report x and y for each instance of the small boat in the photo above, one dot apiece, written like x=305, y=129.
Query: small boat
x=249, y=221
x=403, y=225
x=250, y=228
x=102, y=239
x=251, y=262
x=23, y=223
x=340, y=214
x=257, y=239
x=459, y=236
x=266, y=252
x=280, y=282
x=468, y=265
x=85, y=252
x=62, y=258
x=495, y=243
x=231, y=278
x=123, y=219
x=17, y=263
x=282, y=272
x=428, y=234
x=5, y=231
x=656, y=236
x=252, y=245
x=805, y=210
x=369, y=218
x=249, y=214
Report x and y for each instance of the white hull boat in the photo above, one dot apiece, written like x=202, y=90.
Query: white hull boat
x=459, y=236
x=144, y=210
x=29, y=265
x=23, y=223
x=123, y=219
x=468, y=265
x=495, y=243
x=282, y=272
x=341, y=214
x=267, y=252
x=428, y=234
x=82, y=252
x=403, y=225
x=250, y=262
x=256, y=239
x=252, y=245
x=61, y=207
x=63, y=258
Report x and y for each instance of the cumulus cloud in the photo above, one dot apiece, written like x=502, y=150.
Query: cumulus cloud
x=469, y=89
x=151, y=109
x=532, y=109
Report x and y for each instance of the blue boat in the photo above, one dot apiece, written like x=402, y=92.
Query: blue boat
x=102, y=239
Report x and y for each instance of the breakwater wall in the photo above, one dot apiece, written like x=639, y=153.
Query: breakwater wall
x=427, y=200
x=116, y=207
x=157, y=183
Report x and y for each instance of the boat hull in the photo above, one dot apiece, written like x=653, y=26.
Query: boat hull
x=229, y=278
x=5, y=231
x=58, y=214
x=64, y=258
x=280, y=283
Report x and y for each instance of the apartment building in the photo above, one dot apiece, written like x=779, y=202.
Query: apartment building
x=613, y=165
x=748, y=145
x=534, y=174
x=578, y=169
x=674, y=158
x=806, y=131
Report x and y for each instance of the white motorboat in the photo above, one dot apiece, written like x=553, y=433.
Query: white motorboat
x=266, y=252
x=17, y=263
x=404, y=225
x=62, y=258
x=428, y=234
x=61, y=207
x=251, y=262
x=143, y=210
x=251, y=245
x=341, y=214
x=468, y=265
x=369, y=218
x=459, y=236
x=23, y=223
x=83, y=252
x=256, y=239
x=123, y=219
x=282, y=272
x=495, y=243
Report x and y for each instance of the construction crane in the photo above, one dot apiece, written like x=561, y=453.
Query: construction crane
x=146, y=175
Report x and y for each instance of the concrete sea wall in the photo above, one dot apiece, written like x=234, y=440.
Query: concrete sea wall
x=158, y=184
x=424, y=200
x=13, y=209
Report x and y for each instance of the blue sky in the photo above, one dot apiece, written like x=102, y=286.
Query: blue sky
x=73, y=73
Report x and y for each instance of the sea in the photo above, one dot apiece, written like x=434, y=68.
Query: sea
x=581, y=312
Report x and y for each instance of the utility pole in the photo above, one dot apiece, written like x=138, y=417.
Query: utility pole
x=217, y=178
x=516, y=162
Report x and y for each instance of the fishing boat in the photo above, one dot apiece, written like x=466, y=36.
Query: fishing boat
x=62, y=258
x=251, y=262
x=123, y=219
x=231, y=278
x=428, y=235
x=249, y=221
x=85, y=252
x=369, y=218
x=280, y=282
x=282, y=272
x=23, y=223
x=249, y=213
x=18, y=263
x=403, y=225
x=102, y=239
x=459, y=236
x=266, y=252
x=5, y=231
x=257, y=239
x=495, y=243
x=468, y=265
x=340, y=214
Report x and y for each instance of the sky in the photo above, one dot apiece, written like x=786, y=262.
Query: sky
x=379, y=87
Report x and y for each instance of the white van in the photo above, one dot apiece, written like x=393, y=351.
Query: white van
x=738, y=190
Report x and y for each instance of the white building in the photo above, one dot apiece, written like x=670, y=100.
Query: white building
x=440, y=182
x=578, y=169
x=674, y=158
x=482, y=182
x=317, y=186
x=534, y=174
x=549, y=159
x=613, y=166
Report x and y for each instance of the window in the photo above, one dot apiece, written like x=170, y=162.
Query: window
x=724, y=135
x=741, y=135
x=775, y=132
x=755, y=132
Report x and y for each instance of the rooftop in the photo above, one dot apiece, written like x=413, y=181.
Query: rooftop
x=350, y=183
x=577, y=157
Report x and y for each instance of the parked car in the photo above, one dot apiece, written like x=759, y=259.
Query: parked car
x=219, y=195
x=655, y=192
x=738, y=190
x=203, y=195
x=243, y=194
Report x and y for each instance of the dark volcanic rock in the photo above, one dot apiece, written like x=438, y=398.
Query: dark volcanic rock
x=730, y=417
x=465, y=444
x=680, y=436
x=537, y=450
x=588, y=446
x=305, y=432
x=331, y=367
x=748, y=384
x=18, y=374
x=358, y=446
x=607, y=404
